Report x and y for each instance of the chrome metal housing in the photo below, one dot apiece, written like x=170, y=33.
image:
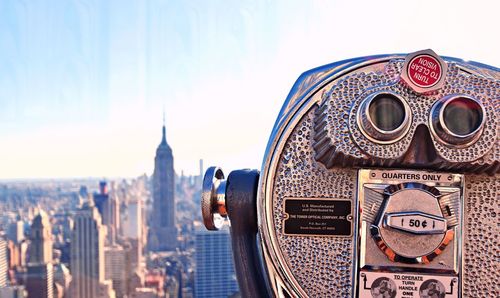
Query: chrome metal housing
x=308, y=100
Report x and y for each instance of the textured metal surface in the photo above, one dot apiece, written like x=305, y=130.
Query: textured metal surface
x=322, y=265
x=481, y=250
x=316, y=148
x=340, y=142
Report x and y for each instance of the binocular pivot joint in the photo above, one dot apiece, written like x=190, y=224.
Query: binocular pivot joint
x=213, y=199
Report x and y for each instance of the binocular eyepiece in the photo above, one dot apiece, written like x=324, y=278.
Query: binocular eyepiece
x=381, y=178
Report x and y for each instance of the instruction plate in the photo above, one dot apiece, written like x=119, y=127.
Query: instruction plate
x=406, y=285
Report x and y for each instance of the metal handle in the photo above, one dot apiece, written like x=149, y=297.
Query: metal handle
x=213, y=199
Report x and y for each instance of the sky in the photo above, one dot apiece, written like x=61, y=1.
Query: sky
x=84, y=83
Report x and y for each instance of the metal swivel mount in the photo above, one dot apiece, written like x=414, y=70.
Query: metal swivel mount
x=235, y=198
x=213, y=199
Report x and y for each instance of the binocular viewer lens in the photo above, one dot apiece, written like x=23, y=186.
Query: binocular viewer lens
x=462, y=116
x=385, y=117
x=458, y=120
x=387, y=112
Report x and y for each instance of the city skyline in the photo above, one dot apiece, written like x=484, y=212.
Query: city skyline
x=100, y=195
x=85, y=83
x=75, y=233
x=103, y=239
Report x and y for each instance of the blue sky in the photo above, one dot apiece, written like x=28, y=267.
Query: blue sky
x=83, y=83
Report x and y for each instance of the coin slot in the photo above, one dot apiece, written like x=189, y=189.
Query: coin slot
x=448, y=210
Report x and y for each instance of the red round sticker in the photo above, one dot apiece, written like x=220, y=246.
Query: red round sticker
x=424, y=71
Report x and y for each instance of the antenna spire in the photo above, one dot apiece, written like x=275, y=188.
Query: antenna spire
x=164, y=138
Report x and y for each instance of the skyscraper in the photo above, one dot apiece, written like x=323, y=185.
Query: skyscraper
x=132, y=231
x=132, y=224
x=117, y=268
x=201, y=168
x=40, y=250
x=87, y=256
x=39, y=282
x=199, y=178
x=3, y=263
x=109, y=209
x=214, y=275
x=62, y=279
x=16, y=231
x=163, y=233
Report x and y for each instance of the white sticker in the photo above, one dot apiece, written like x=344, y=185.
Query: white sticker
x=413, y=176
x=404, y=285
x=416, y=222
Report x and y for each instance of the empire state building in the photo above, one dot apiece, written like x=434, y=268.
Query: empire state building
x=163, y=233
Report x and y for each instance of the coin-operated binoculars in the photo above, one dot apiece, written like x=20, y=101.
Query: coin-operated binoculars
x=381, y=178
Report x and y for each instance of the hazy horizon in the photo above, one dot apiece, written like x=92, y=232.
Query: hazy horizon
x=83, y=84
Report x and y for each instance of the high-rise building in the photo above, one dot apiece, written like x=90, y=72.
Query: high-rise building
x=39, y=281
x=40, y=249
x=16, y=231
x=132, y=224
x=13, y=255
x=201, y=168
x=87, y=256
x=3, y=263
x=163, y=233
x=135, y=252
x=115, y=195
x=214, y=275
x=109, y=209
x=198, y=180
x=117, y=268
x=23, y=253
x=132, y=231
x=62, y=278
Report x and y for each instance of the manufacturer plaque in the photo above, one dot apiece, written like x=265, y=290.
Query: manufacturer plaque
x=320, y=217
